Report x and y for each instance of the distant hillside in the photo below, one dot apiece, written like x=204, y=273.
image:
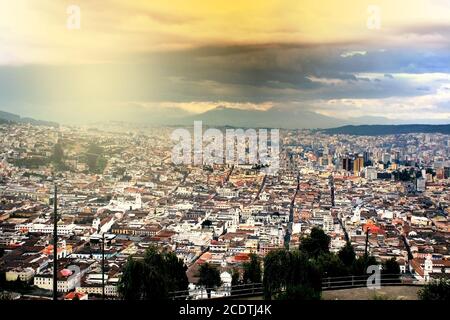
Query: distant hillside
x=275, y=117
x=375, y=130
x=11, y=117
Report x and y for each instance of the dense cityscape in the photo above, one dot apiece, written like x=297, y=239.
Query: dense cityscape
x=119, y=193
x=198, y=159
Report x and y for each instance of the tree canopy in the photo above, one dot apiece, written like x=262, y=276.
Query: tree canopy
x=252, y=270
x=347, y=255
x=316, y=243
x=438, y=290
x=153, y=277
x=209, y=277
x=298, y=274
x=95, y=159
x=285, y=271
x=391, y=266
x=58, y=153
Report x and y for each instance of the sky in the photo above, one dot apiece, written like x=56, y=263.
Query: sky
x=87, y=60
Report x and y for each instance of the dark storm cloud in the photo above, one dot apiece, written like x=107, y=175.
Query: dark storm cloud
x=230, y=73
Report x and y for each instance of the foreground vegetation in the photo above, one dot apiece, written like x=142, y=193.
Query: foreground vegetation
x=436, y=290
x=284, y=274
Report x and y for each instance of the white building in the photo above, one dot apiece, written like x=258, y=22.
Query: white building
x=370, y=173
x=95, y=289
x=356, y=218
x=184, y=191
x=421, y=221
x=421, y=184
x=126, y=203
x=328, y=223
x=65, y=284
x=227, y=193
x=23, y=274
x=63, y=229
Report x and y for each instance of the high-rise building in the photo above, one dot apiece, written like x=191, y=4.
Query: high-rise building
x=358, y=164
x=446, y=172
x=366, y=156
x=347, y=163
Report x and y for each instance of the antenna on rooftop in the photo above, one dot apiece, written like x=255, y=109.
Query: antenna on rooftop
x=103, y=266
x=55, y=244
x=103, y=261
x=367, y=243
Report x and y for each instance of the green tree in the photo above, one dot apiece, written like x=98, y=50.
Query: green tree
x=58, y=153
x=303, y=271
x=285, y=271
x=252, y=270
x=31, y=163
x=209, y=277
x=331, y=266
x=347, y=255
x=436, y=290
x=101, y=164
x=95, y=159
x=391, y=266
x=131, y=285
x=155, y=283
x=316, y=243
x=390, y=271
x=176, y=271
x=154, y=277
x=359, y=267
x=300, y=292
x=276, y=266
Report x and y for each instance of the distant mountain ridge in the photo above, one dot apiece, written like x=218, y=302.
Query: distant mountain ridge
x=279, y=117
x=11, y=117
x=376, y=130
x=275, y=117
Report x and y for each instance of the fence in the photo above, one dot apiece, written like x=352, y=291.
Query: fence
x=331, y=283
x=257, y=289
x=235, y=291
